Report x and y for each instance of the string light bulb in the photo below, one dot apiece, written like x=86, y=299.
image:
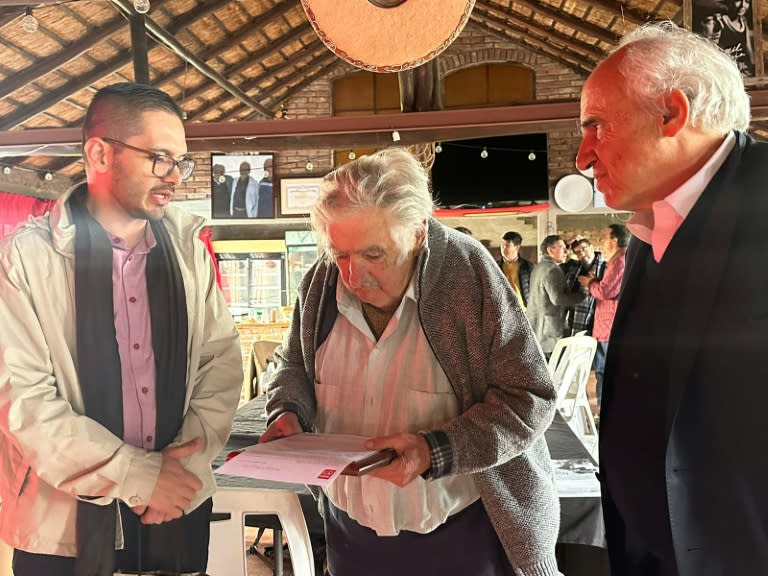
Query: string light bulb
x=309, y=166
x=351, y=155
x=282, y=112
x=48, y=176
x=395, y=136
x=484, y=153
x=29, y=22
x=141, y=6
x=532, y=156
x=438, y=148
x=6, y=170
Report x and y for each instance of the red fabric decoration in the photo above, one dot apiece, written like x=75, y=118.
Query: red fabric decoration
x=16, y=208
x=206, y=235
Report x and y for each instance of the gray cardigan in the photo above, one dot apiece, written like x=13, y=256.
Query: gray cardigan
x=484, y=344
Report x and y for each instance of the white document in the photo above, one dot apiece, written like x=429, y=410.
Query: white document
x=576, y=479
x=307, y=458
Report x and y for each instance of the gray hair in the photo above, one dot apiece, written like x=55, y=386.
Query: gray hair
x=661, y=56
x=391, y=179
x=548, y=242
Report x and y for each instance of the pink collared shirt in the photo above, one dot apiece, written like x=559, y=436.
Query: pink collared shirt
x=659, y=226
x=134, y=339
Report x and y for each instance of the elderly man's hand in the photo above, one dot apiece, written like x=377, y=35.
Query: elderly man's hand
x=413, y=457
x=287, y=424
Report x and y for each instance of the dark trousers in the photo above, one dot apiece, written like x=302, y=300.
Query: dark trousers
x=179, y=546
x=466, y=545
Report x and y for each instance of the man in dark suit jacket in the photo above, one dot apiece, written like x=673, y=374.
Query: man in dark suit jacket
x=685, y=393
x=265, y=206
x=221, y=191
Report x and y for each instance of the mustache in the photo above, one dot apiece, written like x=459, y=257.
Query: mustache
x=362, y=284
x=164, y=187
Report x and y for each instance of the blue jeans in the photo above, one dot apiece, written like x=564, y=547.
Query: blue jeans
x=599, y=364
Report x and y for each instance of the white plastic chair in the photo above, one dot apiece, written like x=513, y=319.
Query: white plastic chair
x=259, y=361
x=570, y=366
x=227, y=548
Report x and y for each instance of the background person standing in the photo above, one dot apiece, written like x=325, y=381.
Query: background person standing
x=516, y=269
x=588, y=262
x=550, y=295
x=606, y=292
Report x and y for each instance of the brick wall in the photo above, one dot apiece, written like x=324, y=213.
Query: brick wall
x=473, y=46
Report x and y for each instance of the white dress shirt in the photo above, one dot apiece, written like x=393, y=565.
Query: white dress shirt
x=372, y=388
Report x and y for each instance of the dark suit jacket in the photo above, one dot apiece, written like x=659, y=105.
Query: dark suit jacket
x=716, y=470
x=266, y=208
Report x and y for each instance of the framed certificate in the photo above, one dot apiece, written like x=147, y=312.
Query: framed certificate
x=297, y=195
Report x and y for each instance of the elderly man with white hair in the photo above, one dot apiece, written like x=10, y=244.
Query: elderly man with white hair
x=684, y=394
x=407, y=332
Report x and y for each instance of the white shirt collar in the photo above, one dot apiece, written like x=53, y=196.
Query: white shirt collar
x=658, y=226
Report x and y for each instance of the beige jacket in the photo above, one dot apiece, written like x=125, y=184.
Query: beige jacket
x=49, y=451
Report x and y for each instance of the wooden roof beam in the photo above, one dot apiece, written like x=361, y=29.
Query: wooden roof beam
x=82, y=82
x=246, y=30
x=52, y=63
x=325, y=63
x=505, y=30
x=559, y=16
x=166, y=38
x=623, y=11
x=268, y=50
x=580, y=48
x=373, y=129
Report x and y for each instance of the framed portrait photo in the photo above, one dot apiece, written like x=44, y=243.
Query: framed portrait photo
x=241, y=186
x=297, y=195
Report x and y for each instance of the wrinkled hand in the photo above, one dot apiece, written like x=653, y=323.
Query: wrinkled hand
x=287, y=424
x=175, y=488
x=413, y=457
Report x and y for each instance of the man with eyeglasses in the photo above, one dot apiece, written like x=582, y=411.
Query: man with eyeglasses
x=120, y=367
x=588, y=262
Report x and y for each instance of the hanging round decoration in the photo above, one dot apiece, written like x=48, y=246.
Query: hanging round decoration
x=387, y=35
x=573, y=193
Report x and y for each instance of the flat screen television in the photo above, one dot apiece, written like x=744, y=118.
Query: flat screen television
x=241, y=186
x=491, y=172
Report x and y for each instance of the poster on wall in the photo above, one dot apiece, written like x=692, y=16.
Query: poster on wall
x=734, y=25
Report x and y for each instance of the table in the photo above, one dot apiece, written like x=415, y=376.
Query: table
x=582, y=535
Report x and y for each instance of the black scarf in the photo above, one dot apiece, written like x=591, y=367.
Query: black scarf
x=99, y=360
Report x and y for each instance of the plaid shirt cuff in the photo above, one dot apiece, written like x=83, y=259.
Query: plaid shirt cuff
x=440, y=454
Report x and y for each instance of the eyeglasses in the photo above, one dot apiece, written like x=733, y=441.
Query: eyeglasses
x=162, y=165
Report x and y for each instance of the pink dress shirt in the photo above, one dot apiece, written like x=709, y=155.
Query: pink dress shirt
x=659, y=226
x=134, y=339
